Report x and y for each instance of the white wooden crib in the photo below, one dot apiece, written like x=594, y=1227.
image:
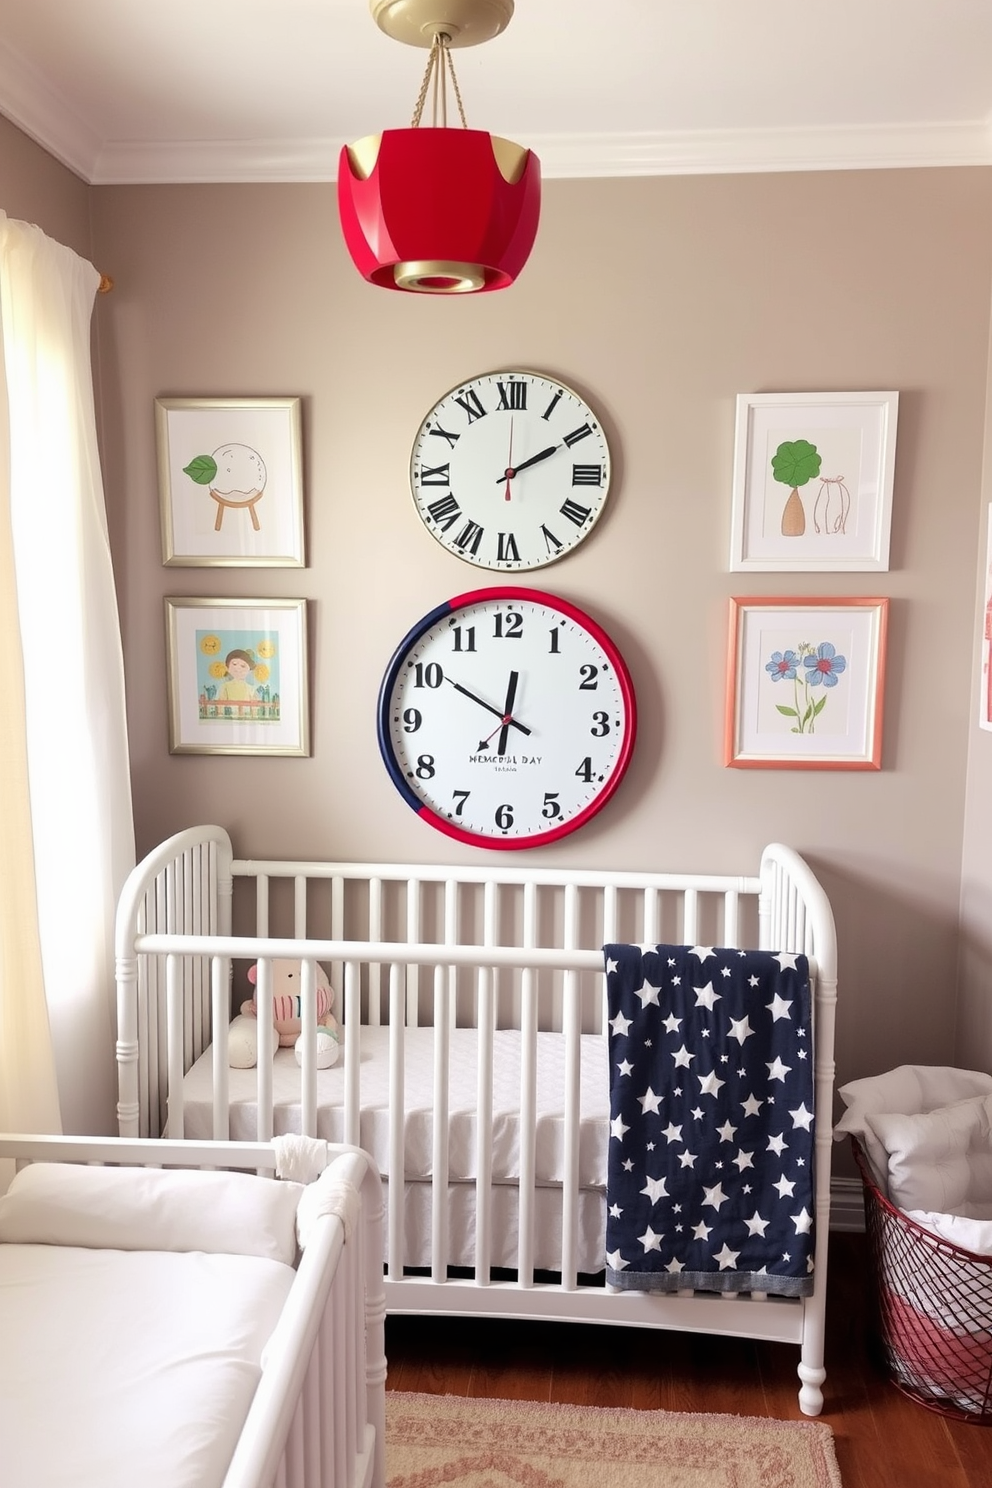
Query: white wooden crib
x=150, y=1334
x=473, y=1054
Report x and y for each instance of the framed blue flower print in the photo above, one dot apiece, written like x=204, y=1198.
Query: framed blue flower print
x=805, y=684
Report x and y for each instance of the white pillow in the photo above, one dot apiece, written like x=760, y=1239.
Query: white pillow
x=151, y=1209
x=940, y=1160
x=908, y=1089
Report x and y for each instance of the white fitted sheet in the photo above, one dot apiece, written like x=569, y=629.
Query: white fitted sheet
x=594, y=1105
x=120, y=1368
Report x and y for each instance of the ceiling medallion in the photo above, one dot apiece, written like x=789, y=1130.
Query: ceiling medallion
x=439, y=210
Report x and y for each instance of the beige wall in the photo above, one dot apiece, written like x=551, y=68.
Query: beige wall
x=36, y=188
x=660, y=300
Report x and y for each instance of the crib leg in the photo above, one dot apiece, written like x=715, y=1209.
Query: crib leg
x=811, y=1396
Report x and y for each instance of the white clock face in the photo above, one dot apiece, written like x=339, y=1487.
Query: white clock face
x=506, y=718
x=510, y=470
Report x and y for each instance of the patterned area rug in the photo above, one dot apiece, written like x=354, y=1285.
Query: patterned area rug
x=462, y=1443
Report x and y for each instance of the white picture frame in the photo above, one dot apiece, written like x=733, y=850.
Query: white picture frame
x=230, y=482
x=237, y=676
x=812, y=483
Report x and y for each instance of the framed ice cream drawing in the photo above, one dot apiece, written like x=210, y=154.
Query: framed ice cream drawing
x=805, y=684
x=813, y=478
x=237, y=676
x=230, y=482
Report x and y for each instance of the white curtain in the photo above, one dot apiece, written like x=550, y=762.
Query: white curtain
x=67, y=830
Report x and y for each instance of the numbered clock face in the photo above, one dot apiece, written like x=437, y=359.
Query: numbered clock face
x=510, y=470
x=506, y=718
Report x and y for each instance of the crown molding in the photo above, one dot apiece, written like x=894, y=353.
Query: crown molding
x=574, y=156
x=28, y=100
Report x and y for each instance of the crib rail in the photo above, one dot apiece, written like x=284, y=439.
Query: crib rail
x=317, y=1418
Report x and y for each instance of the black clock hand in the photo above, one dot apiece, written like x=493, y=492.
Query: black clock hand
x=512, y=470
x=511, y=692
x=488, y=706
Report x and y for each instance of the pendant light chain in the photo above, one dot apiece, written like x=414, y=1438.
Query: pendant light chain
x=439, y=64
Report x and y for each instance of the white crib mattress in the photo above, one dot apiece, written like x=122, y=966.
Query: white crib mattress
x=594, y=1103
x=129, y=1367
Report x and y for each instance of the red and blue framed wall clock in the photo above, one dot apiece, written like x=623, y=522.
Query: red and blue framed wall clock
x=510, y=470
x=506, y=718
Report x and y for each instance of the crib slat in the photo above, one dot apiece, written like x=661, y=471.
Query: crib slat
x=439, y=1188
x=397, y=1105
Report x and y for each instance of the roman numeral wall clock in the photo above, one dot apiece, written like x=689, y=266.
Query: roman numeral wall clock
x=506, y=718
x=510, y=470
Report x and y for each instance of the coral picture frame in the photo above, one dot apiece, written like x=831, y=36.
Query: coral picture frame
x=805, y=683
x=813, y=482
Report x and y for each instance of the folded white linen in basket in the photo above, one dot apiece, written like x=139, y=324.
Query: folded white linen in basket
x=974, y=1235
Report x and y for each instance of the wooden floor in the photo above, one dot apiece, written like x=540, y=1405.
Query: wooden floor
x=883, y=1440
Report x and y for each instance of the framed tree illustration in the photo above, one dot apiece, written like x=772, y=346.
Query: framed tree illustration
x=813, y=480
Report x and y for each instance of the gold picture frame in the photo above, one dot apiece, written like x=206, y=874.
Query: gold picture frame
x=237, y=676
x=230, y=482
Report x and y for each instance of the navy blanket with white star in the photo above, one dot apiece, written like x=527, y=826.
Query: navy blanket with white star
x=710, y=1168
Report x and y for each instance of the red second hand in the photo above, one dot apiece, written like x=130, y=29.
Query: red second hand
x=509, y=463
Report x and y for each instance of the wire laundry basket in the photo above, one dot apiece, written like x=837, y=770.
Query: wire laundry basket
x=931, y=1306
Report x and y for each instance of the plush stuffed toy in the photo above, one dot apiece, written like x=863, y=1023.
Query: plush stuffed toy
x=242, y=1035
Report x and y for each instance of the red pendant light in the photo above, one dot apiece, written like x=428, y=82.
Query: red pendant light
x=439, y=210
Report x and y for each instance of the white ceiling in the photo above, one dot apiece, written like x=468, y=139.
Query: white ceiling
x=269, y=90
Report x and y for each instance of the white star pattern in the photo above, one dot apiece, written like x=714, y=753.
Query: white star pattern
x=714, y=1197
x=655, y=1189
x=664, y=1006
x=740, y=1029
x=706, y=997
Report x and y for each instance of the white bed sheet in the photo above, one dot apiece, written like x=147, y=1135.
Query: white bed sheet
x=594, y=1105
x=121, y=1368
